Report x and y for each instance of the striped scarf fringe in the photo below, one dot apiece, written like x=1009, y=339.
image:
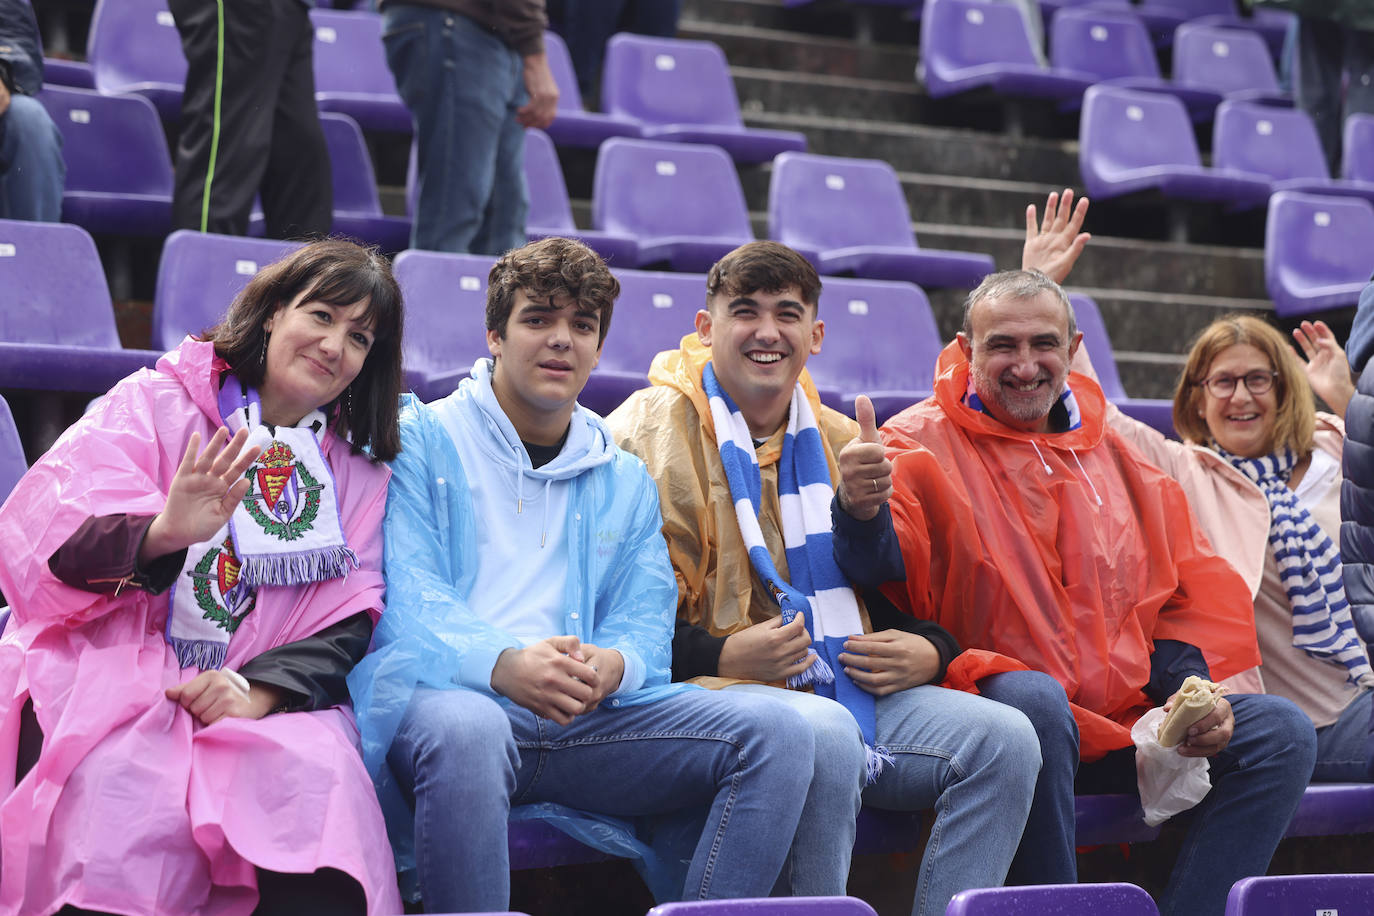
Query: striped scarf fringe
x=817, y=586
x=1309, y=567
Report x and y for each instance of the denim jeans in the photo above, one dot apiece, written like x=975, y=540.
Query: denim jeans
x=462, y=85
x=465, y=759
x=1343, y=747
x=972, y=761
x=1257, y=782
x=31, y=168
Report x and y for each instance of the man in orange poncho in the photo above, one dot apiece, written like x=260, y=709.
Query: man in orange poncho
x=1041, y=539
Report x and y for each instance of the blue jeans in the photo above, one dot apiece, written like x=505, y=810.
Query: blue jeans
x=462, y=85
x=1343, y=746
x=1257, y=782
x=465, y=759
x=31, y=168
x=972, y=761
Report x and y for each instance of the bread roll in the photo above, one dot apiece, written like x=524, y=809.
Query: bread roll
x=1195, y=699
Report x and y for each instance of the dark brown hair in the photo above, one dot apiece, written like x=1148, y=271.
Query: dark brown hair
x=1295, y=413
x=768, y=267
x=547, y=269
x=339, y=273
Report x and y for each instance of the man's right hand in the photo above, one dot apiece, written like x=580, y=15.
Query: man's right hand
x=769, y=651
x=550, y=678
x=865, y=472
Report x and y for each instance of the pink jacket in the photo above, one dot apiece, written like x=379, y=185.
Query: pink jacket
x=133, y=806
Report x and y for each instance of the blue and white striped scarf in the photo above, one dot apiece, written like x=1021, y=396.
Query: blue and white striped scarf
x=818, y=587
x=1309, y=568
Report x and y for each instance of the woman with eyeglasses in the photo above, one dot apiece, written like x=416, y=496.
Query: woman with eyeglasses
x=1262, y=469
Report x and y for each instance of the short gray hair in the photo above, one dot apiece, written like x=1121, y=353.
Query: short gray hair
x=1016, y=284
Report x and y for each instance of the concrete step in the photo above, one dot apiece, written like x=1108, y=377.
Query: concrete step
x=832, y=18
x=794, y=52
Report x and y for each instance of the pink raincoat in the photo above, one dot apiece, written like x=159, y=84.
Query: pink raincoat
x=134, y=806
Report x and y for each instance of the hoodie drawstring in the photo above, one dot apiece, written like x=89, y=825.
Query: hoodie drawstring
x=544, y=526
x=1081, y=470
x=520, y=502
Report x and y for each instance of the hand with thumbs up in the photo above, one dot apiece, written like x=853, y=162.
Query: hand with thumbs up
x=865, y=472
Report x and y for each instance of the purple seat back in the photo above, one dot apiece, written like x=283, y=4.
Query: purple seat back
x=1316, y=251
x=881, y=336
x=668, y=81
x=1279, y=142
x=1358, y=147
x=1319, y=894
x=351, y=73
x=355, y=180
x=1106, y=43
x=1223, y=59
x=73, y=73
x=824, y=202
x=1121, y=130
x=93, y=125
x=134, y=46
x=560, y=65
x=647, y=189
x=1049, y=899
x=1099, y=344
x=55, y=290
x=1191, y=9
x=198, y=277
x=768, y=906
x=12, y=463
x=445, y=296
x=549, y=206
x=653, y=313
x=957, y=34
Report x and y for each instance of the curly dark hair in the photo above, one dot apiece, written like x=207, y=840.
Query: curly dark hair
x=337, y=272
x=547, y=269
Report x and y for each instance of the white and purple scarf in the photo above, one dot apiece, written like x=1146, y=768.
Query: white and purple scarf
x=286, y=531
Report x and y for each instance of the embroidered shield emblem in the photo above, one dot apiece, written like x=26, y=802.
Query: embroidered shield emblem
x=283, y=498
x=220, y=594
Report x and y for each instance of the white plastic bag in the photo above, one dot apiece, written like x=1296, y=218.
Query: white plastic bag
x=1169, y=782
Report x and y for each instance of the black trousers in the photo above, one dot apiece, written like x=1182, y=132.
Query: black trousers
x=327, y=892
x=264, y=135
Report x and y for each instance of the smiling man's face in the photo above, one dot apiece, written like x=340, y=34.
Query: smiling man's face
x=760, y=343
x=1019, y=352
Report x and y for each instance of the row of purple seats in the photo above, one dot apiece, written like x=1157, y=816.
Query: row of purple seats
x=662, y=88
x=1048, y=899
x=57, y=329
x=767, y=906
x=1275, y=895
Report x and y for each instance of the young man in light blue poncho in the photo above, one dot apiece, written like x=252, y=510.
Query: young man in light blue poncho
x=524, y=655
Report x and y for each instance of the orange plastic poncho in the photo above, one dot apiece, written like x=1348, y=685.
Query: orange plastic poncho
x=1006, y=546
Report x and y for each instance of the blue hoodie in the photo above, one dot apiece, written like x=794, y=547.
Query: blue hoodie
x=620, y=592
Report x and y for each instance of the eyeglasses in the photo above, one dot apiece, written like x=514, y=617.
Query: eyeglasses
x=1257, y=382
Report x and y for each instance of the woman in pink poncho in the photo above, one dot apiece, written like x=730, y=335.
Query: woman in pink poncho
x=193, y=569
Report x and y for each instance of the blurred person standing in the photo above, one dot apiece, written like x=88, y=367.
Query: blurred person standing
x=31, y=168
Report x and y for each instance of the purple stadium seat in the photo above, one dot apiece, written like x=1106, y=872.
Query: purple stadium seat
x=1358, y=148
x=882, y=341
x=1269, y=24
x=1280, y=143
x=1322, y=895
x=1155, y=412
x=683, y=201
x=1113, y=44
x=446, y=296
x=851, y=216
x=973, y=44
x=767, y=906
x=1139, y=141
x=134, y=46
x=1227, y=60
x=12, y=462
x=351, y=74
x=574, y=125
x=681, y=90
x=1316, y=251
x=1050, y=899
x=125, y=194
x=73, y=74
x=653, y=313
x=198, y=277
x=57, y=329
x=551, y=214
x=357, y=208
